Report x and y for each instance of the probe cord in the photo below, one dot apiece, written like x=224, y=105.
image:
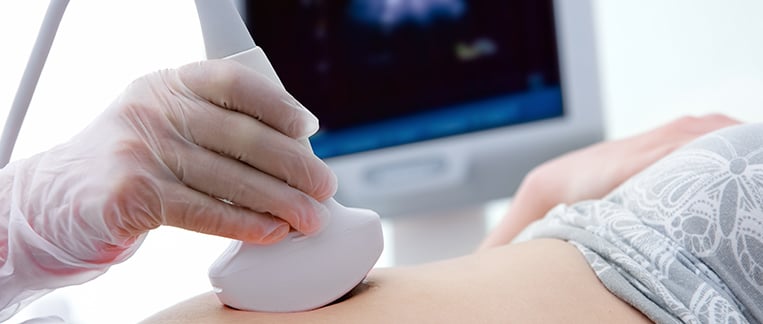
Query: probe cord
x=29, y=80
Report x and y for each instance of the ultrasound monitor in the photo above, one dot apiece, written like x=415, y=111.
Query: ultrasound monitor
x=435, y=104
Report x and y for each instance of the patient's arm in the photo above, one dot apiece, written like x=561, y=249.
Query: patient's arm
x=594, y=171
x=544, y=281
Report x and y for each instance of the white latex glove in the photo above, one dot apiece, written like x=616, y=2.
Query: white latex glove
x=162, y=154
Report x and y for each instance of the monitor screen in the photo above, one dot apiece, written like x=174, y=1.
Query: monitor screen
x=382, y=73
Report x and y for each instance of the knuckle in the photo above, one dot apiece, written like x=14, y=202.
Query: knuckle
x=681, y=127
x=224, y=75
x=686, y=120
x=712, y=117
x=216, y=75
x=142, y=99
x=698, y=125
x=722, y=119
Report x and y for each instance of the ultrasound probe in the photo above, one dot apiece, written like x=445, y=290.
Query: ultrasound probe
x=300, y=272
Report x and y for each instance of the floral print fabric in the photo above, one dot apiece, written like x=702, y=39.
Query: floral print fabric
x=683, y=240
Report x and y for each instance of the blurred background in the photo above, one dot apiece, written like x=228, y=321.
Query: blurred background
x=658, y=60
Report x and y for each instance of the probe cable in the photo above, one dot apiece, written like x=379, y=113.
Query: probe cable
x=29, y=80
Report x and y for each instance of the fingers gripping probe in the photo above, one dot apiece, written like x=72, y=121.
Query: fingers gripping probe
x=301, y=272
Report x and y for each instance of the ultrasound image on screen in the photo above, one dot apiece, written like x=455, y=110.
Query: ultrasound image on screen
x=380, y=73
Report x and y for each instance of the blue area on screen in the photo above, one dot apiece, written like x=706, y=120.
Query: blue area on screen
x=474, y=116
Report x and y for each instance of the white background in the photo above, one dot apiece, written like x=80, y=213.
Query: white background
x=658, y=60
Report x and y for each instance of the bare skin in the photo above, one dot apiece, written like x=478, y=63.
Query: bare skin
x=541, y=281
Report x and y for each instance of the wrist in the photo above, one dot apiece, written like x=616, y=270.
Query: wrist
x=47, y=200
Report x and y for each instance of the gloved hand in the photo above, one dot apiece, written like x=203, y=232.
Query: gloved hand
x=166, y=152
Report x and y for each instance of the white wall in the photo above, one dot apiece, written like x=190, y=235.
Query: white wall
x=663, y=59
x=659, y=60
